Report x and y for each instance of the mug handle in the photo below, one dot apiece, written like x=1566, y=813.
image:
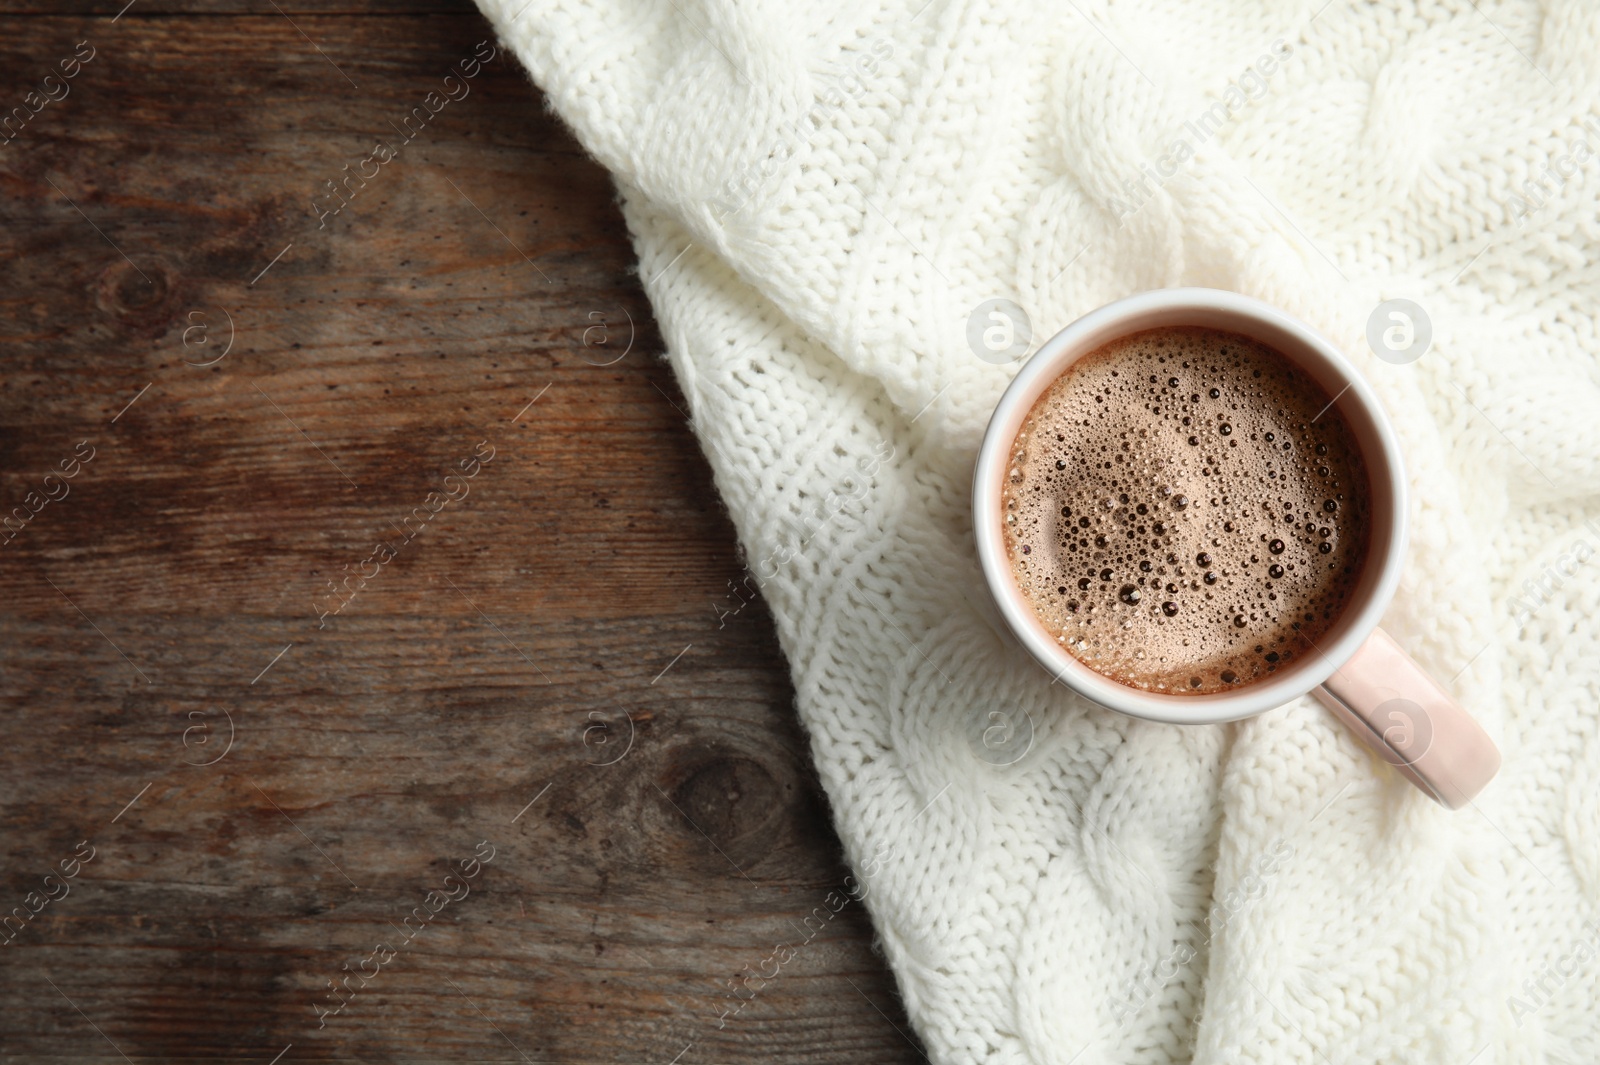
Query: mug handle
x=1408, y=720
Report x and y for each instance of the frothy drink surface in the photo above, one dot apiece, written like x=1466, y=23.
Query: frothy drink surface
x=1186, y=511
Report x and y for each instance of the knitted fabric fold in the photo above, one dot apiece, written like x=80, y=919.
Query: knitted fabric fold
x=824, y=195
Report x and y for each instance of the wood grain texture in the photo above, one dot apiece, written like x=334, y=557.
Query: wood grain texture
x=533, y=660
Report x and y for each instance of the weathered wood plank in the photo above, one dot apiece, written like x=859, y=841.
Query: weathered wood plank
x=107, y=11
x=162, y=613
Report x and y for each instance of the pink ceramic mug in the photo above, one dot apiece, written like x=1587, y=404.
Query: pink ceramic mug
x=1356, y=670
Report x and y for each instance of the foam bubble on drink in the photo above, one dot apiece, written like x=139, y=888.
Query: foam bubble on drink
x=1186, y=511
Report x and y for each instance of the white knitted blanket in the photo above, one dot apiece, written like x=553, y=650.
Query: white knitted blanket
x=822, y=193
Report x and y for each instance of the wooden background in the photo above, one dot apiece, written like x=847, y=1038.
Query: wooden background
x=268, y=796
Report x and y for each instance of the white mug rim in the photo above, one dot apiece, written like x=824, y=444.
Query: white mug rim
x=1311, y=351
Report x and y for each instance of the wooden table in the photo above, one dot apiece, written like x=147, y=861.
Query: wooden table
x=364, y=693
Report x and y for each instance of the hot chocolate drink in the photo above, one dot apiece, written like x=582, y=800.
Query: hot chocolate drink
x=1186, y=511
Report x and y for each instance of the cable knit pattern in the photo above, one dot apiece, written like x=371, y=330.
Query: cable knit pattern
x=822, y=192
